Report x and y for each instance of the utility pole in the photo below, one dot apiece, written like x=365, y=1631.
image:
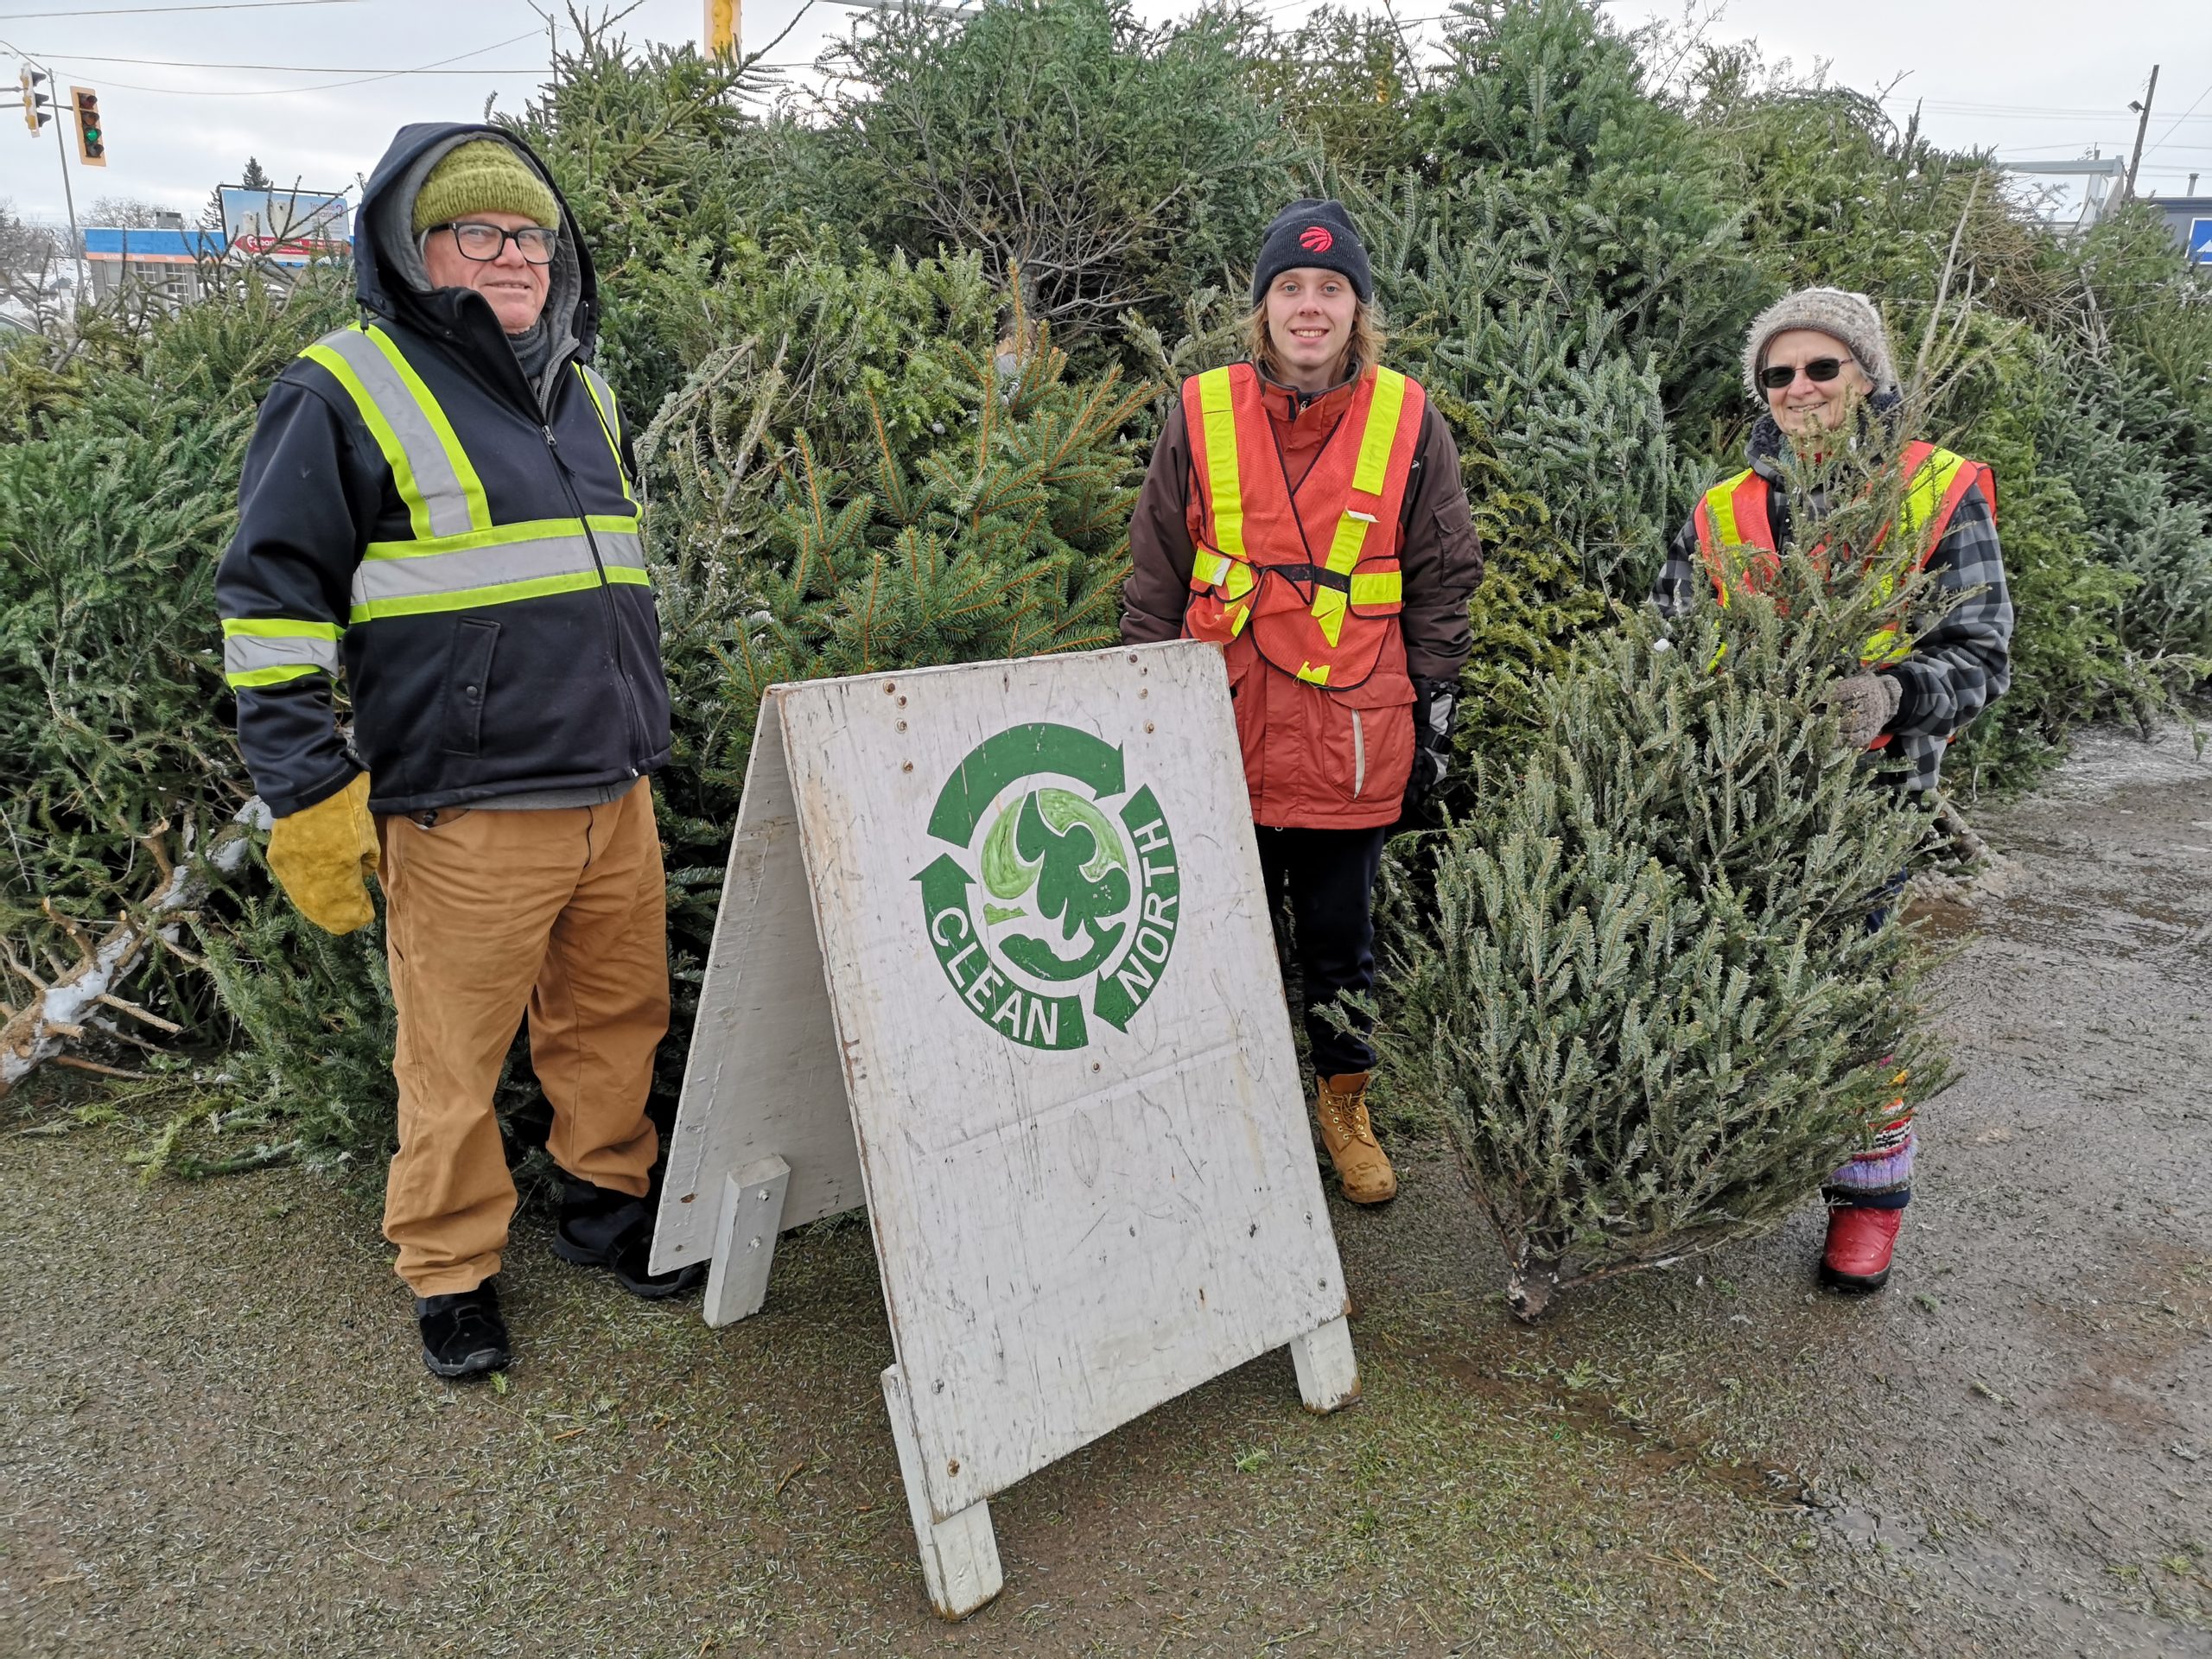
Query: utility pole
x=2142, y=124
x=69, y=198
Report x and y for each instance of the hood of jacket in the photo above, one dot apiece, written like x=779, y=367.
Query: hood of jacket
x=391, y=284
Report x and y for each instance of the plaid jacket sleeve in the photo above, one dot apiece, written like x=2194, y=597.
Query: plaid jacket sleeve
x=1676, y=589
x=1963, y=662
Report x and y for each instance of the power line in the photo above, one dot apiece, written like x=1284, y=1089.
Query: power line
x=281, y=68
x=148, y=11
x=333, y=85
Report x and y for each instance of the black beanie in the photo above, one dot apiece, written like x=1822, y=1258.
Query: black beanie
x=1316, y=233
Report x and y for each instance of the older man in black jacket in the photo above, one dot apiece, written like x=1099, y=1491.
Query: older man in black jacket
x=438, y=501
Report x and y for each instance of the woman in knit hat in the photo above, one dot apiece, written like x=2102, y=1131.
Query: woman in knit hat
x=1304, y=510
x=1818, y=361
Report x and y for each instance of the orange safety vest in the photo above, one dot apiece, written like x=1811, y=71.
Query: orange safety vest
x=1735, y=530
x=1322, y=611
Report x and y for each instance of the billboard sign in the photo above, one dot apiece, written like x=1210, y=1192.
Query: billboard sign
x=284, y=224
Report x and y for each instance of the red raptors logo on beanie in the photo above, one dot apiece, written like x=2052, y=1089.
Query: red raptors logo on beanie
x=1315, y=239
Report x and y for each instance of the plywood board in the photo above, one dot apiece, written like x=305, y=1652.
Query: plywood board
x=763, y=1079
x=1063, y=1034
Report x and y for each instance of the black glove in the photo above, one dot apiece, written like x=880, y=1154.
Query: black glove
x=1436, y=706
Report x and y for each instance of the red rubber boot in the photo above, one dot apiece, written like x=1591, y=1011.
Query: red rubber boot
x=1860, y=1241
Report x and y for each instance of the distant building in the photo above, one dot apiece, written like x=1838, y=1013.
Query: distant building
x=167, y=262
x=280, y=231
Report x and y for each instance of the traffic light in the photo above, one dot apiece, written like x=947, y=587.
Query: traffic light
x=721, y=31
x=35, y=103
x=91, y=143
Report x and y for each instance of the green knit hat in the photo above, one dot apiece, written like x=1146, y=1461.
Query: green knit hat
x=484, y=176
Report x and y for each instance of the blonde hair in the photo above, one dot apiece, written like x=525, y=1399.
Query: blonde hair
x=1368, y=340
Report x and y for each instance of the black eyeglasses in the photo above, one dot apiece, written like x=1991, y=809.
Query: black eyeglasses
x=485, y=243
x=1820, y=370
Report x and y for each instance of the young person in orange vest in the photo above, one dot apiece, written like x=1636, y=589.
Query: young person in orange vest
x=1820, y=361
x=1304, y=510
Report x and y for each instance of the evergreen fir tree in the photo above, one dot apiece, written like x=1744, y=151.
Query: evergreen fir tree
x=1663, y=990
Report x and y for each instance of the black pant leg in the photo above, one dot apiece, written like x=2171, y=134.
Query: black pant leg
x=1329, y=877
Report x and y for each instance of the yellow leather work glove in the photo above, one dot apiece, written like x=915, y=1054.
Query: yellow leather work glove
x=322, y=856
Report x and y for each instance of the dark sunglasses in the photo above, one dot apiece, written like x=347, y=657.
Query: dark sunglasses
x=1820, y=370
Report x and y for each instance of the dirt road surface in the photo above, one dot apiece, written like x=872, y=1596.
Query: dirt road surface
x=216, y=1437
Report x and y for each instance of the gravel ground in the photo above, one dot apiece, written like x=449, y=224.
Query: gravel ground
x=217, y=1439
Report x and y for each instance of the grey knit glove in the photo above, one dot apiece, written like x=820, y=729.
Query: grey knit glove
x=1865, y=704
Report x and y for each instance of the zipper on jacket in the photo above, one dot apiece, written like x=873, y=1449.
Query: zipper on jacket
x=606, y=598
x=1359, y=754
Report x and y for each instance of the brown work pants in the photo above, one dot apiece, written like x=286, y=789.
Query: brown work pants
x=563, y=912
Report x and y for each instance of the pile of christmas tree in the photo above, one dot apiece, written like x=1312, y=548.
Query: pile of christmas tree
x=1657, y=979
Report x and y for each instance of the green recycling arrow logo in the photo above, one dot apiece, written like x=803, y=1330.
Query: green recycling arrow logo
x=1052, y=890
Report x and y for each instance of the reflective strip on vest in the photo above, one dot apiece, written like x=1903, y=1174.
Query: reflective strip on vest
x=1939, y=482
x=1368, y=476
x=496, y=567
x=271, y=649
x=1216, y=408
x=610, y=423
x=1387, y=589
x=443, y=493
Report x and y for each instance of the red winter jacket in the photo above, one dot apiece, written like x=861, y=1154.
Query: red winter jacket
x=1315, y=758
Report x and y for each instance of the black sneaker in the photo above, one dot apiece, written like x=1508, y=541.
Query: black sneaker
x=462, y=1333
x=600, y=1228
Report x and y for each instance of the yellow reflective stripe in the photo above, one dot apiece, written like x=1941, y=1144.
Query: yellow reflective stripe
x=507, y=568
x=1385, y=588
x=1312, y=675
x=1720, y=510
x=531, y=529
x=1344, y=554
x=1210, y=569
x=1218, y=414
x=1883, y=647
x=501, y=593
x=472, y=487
x=276, y=674
x=278, y=627
x=259, y=654
x=1238, y=618
x=610, y=424
x=395, y=453
x=1926, y=492
x=441, y=489
x=1383, y=415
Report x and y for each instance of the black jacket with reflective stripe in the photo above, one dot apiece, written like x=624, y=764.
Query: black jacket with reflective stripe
x=465, y=683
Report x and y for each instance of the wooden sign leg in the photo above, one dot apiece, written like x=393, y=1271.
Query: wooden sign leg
x=1328, y=1376
x=745, y=1240
x=960, y=1557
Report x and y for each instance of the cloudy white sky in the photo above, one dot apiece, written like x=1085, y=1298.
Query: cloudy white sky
x=309, y=88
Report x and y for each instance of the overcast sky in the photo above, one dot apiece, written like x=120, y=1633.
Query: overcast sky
x=188, y=96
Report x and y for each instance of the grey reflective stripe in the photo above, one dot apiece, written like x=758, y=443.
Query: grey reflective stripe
x=242, y=653
x=509, y=564
x=444, y=500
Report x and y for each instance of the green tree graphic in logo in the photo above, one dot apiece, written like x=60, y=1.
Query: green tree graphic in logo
x=1052, y=889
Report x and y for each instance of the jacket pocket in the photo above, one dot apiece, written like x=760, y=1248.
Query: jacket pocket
x=1366, y=749
x=468, y=677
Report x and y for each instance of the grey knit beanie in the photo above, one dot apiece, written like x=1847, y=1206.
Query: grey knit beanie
x=1835, y=312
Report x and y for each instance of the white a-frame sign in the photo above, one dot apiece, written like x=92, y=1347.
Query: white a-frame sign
x=993, y=959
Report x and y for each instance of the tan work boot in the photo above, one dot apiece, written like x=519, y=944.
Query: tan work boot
x=1341, y=1109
